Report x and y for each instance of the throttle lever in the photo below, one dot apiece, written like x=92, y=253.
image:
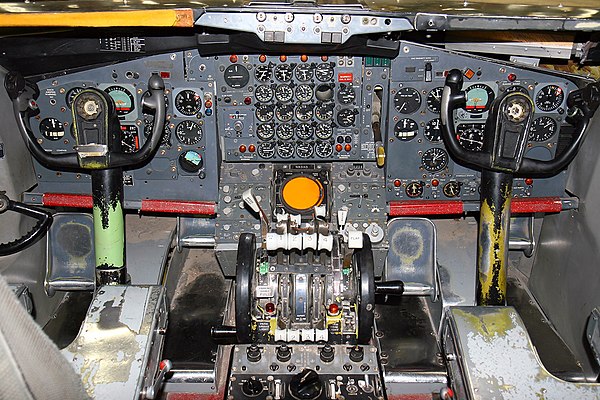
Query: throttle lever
x=151, y=392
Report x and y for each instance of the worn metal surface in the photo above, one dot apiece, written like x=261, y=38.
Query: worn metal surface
x=116, y=352
x=492, y=349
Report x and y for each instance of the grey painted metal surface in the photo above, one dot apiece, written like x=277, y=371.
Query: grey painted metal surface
x=491, y=357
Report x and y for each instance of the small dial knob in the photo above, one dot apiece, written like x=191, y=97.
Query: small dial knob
x=252, y=387
x=253, y=353
x=356, y=354
x=284, y=353
x=306, y=385
x=327, y=354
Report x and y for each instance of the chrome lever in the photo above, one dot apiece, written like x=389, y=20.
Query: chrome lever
x=151, y=392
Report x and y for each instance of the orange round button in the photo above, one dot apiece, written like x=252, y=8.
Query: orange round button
x=302, y=193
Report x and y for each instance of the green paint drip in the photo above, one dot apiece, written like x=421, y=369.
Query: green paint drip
x=109, y=239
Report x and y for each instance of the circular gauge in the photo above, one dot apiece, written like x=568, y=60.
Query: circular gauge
x=71, y=95
x=284, y=72
x=264, y=112
x=236, y=76
x=346, y=117
x=124, y=101
x=166, y=136
x=549, y=98
x=304, y=131
x=130, y=140
x=451, y=189
x=302, y=193
x=406, y=129
x=324, y=72
x=52, y=129
x=433, y=131
x=304, y=149
x=542, y=129
x=324, y=112
x=479, y=98
x=262, y=73
x=188, y=133
x=407, y=100
x=266, y=149
x=323, y=149
x=265, y=131
x=263, y=93
x=304, y=92
x=346, y=94
x=324, y=131
x=470, y=136
x=414, y=189
x=304, y=72
x=516, y=88
x=191, y=161
x=434, y=159
x=304, y=112
x=434, y=100
x=188, y=102
x=284, y=93
x=285, y=149
x=285, y=131
x=284, y=112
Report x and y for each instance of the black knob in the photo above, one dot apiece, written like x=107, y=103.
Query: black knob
x=327, y=353
x=357, y=354
x=284, y=353
x=306, y=385
x=253, y=353
x=252, y=387
x=454, y=80
x=393, y=288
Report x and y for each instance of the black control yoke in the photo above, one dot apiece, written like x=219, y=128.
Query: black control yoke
x=44, y=219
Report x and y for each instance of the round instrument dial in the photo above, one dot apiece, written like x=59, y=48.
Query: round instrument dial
x=304, y=112
x=188, y=102
x=346, y=117
x=414, y=189
x=263, y=73
x=470, y=136
x=304, y=131
x=304, y=92
x=285, y=131
x=263, y=93
x=284, y=112
x=130, y=140
x=304, y=149
x=479, y=98
x=406, y=129
x=52, y=129
x=71, y=95
x=433, y=131
x=434, y=100
x=284, y=93
x=324, y=72
x=407, y=100
x=304, y=72
x=302, y=193
x=324, y=131
x=549, y=98
x=265, y=131
x=324, y=111
x=188, y=132
x=346, y=94
x=236, y=76
x=323, y=149
x=124, y=101
x=264, y=112
x=516, y=88
x=434, y=159
x=284, y=72
x=191, y=161
x=542, y=129
x=285, y=149
x=451, y=189
x=266, y=149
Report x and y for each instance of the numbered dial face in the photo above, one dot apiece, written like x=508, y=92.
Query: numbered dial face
x=470, y=136
x=266, y=149
x=346, y=117
x=406, y=129
x=304, y=72
x=407, y=100
x=414, y=189
x=433, y=131
x=324, y=112
x=71, y=95
x=549, y=98
x=265, y=131
x=188, y=102
x=188, y=133
x=324, y=72
x=542, y=129
x=263, y=93
x=285, y=131
x=323, y=149
x=284, y=112
x=52, y=129
x=324, y=131
x=346, y=94
x=304, y=112
x=434, y=159
x=451, y=189
x=166, y=137
x=434, y=100
x=304, y=92
x=304, y=149
x=264, y=113
x=130, y=140
x=284, y=72
x=124, y=101
x=284, y=93
x=263, y=73
x=236, y=76
x=304, y=131
x=479, y=98
x=285, y=149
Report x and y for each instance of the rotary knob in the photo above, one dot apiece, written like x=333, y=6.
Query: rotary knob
x=284, y=353
x=306, y=385
x=327, y=354
x=252, y=387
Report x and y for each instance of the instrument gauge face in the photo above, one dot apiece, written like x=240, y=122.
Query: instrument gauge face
x=304, y=92
x=71, y=95
x=266, y=149
x=346, y=94
x=346, y=117
x=284, y=72
x=451, y=189
x=263, y=93
x=188, y=133
x=323, y=149
x=434, y=159
x=284, y=112
x=304, y=72
x=304, y=112
x=285, y=131
x=264, y=113
x=517, y=88
x=324, y=112
x=190, y=161
x=284, y=93
x=324, y=131
x=542, y=129
x=52, y=129
x=304, y=149
x=236, y=76
x=479, y=98
x=470, y=136
x=304, y=131
x=434, y=100
x=406, y=129
x=324, y=72
x=407, y=100
x=124, y=101
x=188, y=102
x=263, y=73
x=549, y=98
x=130, y=140
x=433, y=131
x=414, y=189
x=285, y=149
x=265, y=131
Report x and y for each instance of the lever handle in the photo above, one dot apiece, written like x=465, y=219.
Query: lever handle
x=391, y=288
x=151, y=392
